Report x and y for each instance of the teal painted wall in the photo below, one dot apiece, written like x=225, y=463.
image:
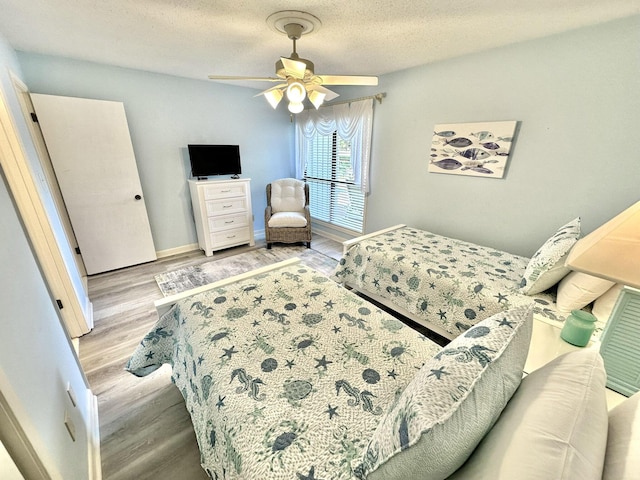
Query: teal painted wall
x=165, y=114
x=577, y=98
x=36, y=357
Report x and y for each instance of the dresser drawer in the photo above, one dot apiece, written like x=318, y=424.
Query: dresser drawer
x=225, y=206
x=222, y=213
x=230, y=237
x=224, y=190
x=227, y=222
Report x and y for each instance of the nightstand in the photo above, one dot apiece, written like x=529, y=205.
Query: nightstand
x=546, y=345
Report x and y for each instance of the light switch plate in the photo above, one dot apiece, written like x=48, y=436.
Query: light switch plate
x=71, y=428
x=72, y=395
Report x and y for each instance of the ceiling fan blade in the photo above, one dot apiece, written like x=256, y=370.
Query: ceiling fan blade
x=233, y=77
x=348, y=80
x=293, y=68
x=272, y=88
x=328, y=94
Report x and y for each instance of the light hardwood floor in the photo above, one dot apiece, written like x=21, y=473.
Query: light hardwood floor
x=145, y=429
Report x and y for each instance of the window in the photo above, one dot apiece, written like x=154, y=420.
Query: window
x=332, y=155
x=334, y=196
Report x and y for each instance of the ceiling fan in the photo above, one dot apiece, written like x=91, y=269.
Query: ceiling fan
x=295, y=75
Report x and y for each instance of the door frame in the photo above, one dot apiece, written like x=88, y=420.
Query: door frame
x=26, y=197
x=18, y=446
x=24, y=99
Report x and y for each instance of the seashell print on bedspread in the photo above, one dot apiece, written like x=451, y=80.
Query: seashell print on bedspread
x=447, y=282
x=285, y=375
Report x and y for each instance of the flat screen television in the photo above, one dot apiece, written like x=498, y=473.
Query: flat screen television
x=214, y=160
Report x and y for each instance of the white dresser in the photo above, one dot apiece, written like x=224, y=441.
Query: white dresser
x=222, y=211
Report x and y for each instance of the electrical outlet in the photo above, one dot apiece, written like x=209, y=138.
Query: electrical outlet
x=71, y=428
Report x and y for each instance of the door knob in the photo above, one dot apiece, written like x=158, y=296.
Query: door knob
x=138, y=197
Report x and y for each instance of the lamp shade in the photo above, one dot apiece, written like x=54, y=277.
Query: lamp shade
x=295, y=91
x=273, y=97
x=316, y=98
x=612, y=251
x=295, y=107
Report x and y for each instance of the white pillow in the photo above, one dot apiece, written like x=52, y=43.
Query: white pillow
x=546, y=267
x=554, y=427
x=579, y=289
x=622, y=461
x=288, y=219
x=603, y=305
x=451, y=403
x=287, y=195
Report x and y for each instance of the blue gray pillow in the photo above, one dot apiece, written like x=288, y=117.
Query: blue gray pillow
x=546, y=267
x=454, y=399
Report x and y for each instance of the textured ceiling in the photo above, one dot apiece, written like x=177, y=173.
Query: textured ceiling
x=231, y=37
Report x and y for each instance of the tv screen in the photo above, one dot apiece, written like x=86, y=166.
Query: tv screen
x=214, y=160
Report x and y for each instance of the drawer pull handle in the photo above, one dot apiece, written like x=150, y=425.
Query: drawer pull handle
x=229, y=221
x=225, y=191
x=231, y=236
x=227, y=206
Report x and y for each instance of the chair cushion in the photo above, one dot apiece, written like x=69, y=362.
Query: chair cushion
x=454, y=399
x=287, y=195
x=287, y=219
x=554, y=427
x=622, y=461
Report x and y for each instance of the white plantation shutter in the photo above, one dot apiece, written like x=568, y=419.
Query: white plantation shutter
x=332, y=155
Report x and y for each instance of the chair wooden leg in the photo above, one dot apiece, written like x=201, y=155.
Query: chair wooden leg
x=268, y=246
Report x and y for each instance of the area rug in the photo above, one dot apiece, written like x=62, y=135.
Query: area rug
x=193, y=276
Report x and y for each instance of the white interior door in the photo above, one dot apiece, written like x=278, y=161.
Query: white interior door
x=92, y=155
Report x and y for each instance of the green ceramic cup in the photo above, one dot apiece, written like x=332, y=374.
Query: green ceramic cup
x=578, y=328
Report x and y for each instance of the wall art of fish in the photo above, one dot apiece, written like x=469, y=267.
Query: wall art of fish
x=445, y=133
x=479, y=170
x=474, y=154
x=458, y=142
x=483, y=135
x=447, y=164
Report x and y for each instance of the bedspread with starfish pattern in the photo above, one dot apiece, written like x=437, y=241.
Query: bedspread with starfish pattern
x=449, y=283
x=286, y=375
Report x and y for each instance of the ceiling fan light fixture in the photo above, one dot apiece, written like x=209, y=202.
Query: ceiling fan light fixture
x=316, y=98
x=296, y=91
x=295, y=107
x=295, y=76
x=273, y=97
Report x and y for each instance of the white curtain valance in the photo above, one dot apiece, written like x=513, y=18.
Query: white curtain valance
x=352, y=122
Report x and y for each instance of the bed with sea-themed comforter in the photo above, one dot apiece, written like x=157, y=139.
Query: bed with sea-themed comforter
x=442, y=283
x=285, y=373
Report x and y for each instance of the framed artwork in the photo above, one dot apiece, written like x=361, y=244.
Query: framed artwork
x=477, y=149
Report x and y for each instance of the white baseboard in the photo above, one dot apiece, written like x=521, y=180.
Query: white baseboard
x=175, y=251
x=89, y=311
x=330, y=233
x=93, y=437
x=258, y=235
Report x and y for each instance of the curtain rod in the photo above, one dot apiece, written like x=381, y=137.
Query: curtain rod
x=377, y=96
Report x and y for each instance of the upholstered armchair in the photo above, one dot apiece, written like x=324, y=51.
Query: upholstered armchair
x=287, y=218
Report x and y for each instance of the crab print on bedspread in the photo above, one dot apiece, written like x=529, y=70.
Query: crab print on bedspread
x=447, y=282
x=285, y=375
